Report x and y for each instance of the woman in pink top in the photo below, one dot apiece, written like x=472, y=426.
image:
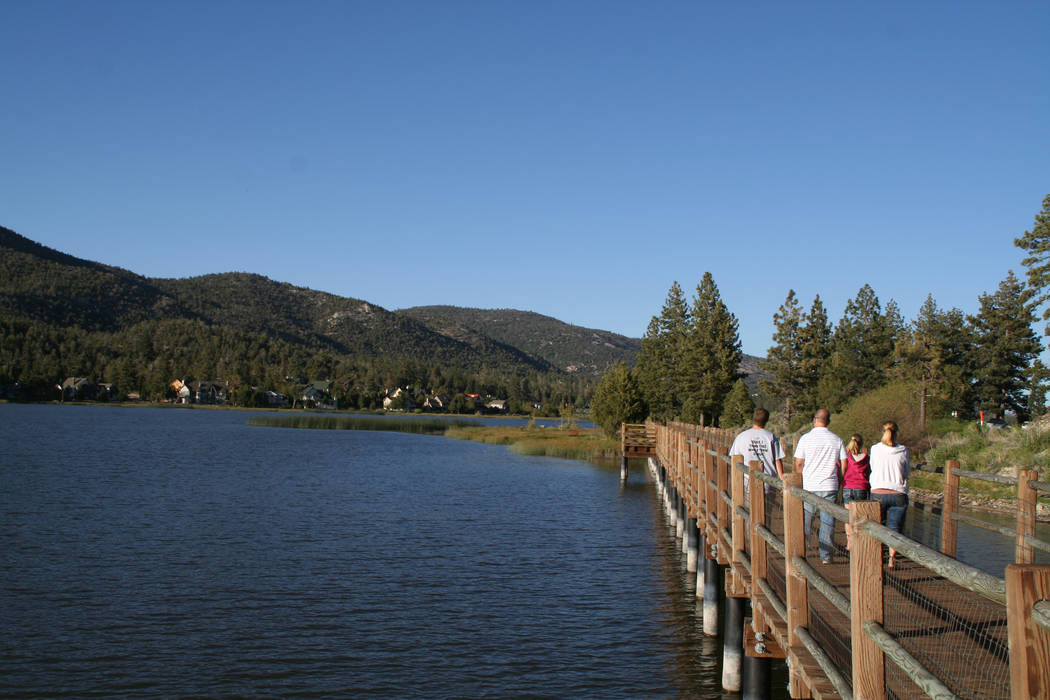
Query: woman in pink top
x=855, y=485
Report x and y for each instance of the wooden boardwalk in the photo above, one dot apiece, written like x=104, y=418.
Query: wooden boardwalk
x=930, y=627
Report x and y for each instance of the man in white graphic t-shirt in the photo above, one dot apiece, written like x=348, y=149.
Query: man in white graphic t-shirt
x=758, y=444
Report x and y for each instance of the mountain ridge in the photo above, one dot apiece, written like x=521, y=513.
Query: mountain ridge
x=46, y=286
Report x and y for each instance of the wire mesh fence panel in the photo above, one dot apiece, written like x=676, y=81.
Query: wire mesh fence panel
x=775, y=512
x=958, y=636
x=831, y=630
x=900, y=686
x=775, y=575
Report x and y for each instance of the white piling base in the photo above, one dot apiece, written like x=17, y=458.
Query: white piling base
x=711, y=617
x=732, y=663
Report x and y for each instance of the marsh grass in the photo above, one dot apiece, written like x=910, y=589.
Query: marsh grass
x=424, y=426
x=566, y=442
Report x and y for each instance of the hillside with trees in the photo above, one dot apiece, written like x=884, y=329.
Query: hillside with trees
x=570, y=348
x=63, y=316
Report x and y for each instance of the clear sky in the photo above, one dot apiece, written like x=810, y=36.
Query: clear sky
x=572, y=158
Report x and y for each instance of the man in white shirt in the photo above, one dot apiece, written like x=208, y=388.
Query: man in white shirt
x=758, y=444
x=821, y=457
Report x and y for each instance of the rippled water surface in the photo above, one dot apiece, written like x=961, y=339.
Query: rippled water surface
x=150, y=552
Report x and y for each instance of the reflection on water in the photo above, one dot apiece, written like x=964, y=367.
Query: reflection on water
x=978, y=547
x=151, y=552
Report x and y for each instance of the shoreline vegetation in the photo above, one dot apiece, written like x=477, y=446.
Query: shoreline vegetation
x=422, y=426
x=566, y=441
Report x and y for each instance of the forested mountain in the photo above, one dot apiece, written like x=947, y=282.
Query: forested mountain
x=574, y=349
x=570, y=348
x=43, y=285
x=63, y=316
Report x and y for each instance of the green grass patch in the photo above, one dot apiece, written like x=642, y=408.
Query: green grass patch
x=424, y=426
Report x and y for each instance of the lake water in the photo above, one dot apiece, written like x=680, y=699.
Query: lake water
x=170, y=552
x=173, y=552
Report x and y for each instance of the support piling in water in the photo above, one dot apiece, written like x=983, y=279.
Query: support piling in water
x=733, y=643
x=679, y=518
x=701, y=544
x=712, y=594
x=759, y=652
x=692, y=551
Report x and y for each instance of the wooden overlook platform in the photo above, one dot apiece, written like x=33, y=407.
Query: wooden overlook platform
x=930, y=627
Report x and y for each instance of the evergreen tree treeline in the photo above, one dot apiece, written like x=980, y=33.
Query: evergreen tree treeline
x=690, y=356
x=960, y=364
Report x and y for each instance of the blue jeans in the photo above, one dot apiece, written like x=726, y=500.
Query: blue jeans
x=849, y=495
x=827, y=524
x=893, y=506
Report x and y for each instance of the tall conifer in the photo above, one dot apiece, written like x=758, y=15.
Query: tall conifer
x=862, y=349
x=1037, y=243
x=815, y=351
x=712, y=355
x=660, y=365
x=1006, y=346
x=934, y=351
x=784, y=359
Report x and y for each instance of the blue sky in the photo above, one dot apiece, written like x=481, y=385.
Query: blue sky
x=569, y=158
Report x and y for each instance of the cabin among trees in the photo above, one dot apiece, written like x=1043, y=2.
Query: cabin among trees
x=85, y=389
x=201, y=392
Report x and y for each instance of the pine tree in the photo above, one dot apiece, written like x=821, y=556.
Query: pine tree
x=934, y=352
x=739, y=408
x=660, y=367
x=617, y=400
x=1006, y=346
x=1037, y=243
x=862, y=350
x=784, y=359
x=712, y=357
x=1037, y=387
x=815, y=351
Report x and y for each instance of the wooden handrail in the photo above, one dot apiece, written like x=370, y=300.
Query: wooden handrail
x=698, y=458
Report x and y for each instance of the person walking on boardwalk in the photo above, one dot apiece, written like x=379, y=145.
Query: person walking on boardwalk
x=821, y=457
x=758, y=444
x=890, y=468
x=855, y=486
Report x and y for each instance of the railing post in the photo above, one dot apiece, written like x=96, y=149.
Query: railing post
x=758, y=545
x=683, y=487
x=866, y=604
x=692, y=551
x=949, y=527
x=797, y=594
x=701, y=515
x=739, y=528
x=736, y=593
x=712, y=574
x=722, y=466
x=1026, y=585
x=1026, y=502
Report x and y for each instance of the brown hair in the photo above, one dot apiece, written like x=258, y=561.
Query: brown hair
x=856, y=444
x=760, y=417
x=889, y=433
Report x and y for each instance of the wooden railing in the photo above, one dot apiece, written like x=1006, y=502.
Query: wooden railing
x=933, y=626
